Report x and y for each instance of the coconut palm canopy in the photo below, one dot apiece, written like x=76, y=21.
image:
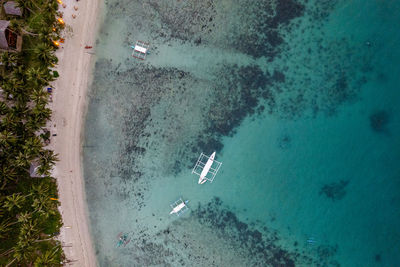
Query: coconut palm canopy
x=29, y=219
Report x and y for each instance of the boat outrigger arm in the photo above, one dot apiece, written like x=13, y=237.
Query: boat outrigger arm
x=208, y=168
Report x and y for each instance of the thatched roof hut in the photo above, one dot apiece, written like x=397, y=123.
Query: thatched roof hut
x=9, y=40
x=11, y=8
x=3, y=40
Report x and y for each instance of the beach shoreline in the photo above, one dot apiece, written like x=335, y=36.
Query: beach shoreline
x=69, y=108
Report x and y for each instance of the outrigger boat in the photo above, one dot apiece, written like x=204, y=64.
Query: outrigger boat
x=140, y=50
x=122, y=239
x=179, y=207
x=208, y=172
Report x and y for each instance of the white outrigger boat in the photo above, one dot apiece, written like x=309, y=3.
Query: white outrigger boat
x=179, y=207
x=140, y=50
x=208, y=168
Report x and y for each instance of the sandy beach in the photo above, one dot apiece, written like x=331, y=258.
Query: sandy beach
x=69, y=105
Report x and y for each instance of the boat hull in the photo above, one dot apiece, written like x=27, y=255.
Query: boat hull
x=206, y=169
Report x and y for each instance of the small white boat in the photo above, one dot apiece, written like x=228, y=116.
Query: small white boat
x=206, y=168
x=179, y=207
x=140, y=50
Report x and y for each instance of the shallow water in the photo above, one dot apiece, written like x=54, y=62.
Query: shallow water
x=300, y=102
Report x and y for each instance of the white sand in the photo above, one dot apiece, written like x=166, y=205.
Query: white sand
x=69, y=106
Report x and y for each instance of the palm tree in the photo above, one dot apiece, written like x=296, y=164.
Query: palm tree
x=15, y=85
x=28, y=231
x=5, y=59
x=19, y=74
x=44, y=205
x=47, y=160
x=19, y=110
x=9, y=60
x=23, y=160
x=3, y=108
x=26, y=5
x=40, y=189
x=16, y=200
x=45, y=53
x=32, y=146
x=33, y=124
x=7, y=138
x=36, y=77
x=7, y=173
x=10, y=86
x=49, y=13
x=49, y=258
x=23, y=250
x=24, y=217
x=9, y=122
x=39, y=96
x=40, y=111
x=51, y=7
x=5, y=226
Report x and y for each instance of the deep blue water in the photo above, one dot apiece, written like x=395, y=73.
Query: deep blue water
x=300, y=100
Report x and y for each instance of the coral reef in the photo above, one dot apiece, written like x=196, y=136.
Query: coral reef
x=335, y=191
x=379, y=120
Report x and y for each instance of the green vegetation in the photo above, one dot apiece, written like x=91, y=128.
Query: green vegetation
x=29, y=218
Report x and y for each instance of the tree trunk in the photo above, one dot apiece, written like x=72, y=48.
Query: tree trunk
x=11, y=262
x=43, y=240
x=29, y=33
x=7, y=252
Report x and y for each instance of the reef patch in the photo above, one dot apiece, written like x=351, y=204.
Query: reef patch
x=379, y=121
x=335, y=191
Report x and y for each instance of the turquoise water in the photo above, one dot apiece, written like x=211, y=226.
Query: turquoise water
x=300, y=101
